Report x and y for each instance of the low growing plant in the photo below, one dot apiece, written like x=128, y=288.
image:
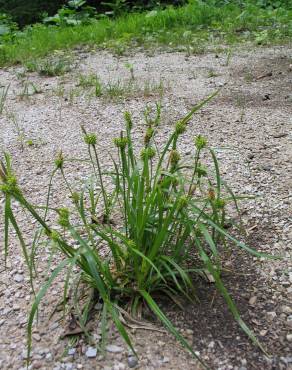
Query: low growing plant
x=160, y=222
x=3, y=97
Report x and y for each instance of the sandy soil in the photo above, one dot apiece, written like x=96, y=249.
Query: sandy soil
x=250, y=124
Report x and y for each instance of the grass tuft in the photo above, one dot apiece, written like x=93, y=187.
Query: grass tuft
x=159, y=222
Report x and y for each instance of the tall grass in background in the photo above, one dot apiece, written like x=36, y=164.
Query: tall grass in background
x=161, y=221
x=196, y=23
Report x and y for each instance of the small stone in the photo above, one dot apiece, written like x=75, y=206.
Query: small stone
x=71, y=351
x=18, y=278
x=252, y=300
x=54, y=326
x=91, y=352
x=165, y=360
x=211, y=345
x=112, y=348
x=132, y=361
x=271, y=315
x=289, y=337
x=287, y=310
x=266, y=167
x=263, y=333
x=36, y=337
x=37, y=365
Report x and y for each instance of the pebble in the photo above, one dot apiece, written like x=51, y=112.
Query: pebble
x=271, y=315
x=71, y=351
x=132, y=361
x=18, y=278
x=112, y=348
x=91, y=352
x=287, y=310
x=36, y=337
x=252, y=300
x=289, y=337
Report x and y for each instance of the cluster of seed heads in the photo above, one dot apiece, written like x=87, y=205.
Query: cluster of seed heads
x=59, y=161
x=148, y=153
x=90, y=139
x=128, y=119
x=63, y=217
x=174, y=157
x=148, y=135
x=200, y=142
x=180, y=128
x=121, y=142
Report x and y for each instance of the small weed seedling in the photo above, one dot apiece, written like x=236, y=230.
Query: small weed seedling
x=18, y=129
x=29, y=89
x=130, y=68
x=56, y=65
x=160, y=222
x=3, y=96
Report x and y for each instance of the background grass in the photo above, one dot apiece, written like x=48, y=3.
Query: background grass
x=192, y=27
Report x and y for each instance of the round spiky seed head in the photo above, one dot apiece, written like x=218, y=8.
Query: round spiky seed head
x=63, y=217
x=148, y=152
x=131, y=243
x=201, y=170
x=59, y=161
x=9, y=185
x=183, y=202
x=174, y=157
x=148, y=135
x=220, y=203
x=54, y=235
x=200, y=142
x=75, y=197
x=180, y=128
x=121, y=142
x=90, y=139
x=128, y=119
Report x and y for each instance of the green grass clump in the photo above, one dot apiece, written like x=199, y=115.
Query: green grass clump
x=3, y=97
x=50, y=67
x=189, y=27
x=118, y=89
x=160, y=222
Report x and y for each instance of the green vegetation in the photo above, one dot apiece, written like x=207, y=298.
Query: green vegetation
x=114, y=90
x=3, y=96
x=191, y=28
x=147, y=225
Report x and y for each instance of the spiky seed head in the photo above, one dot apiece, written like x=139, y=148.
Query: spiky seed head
x=148, y=152
x=131, y=243
x=59, y=161
x=75, y=197
x=90, y=139
x=174, y=157
x=9, y=185
x=219, y=203
x=64, y=217
x=128, y=119
x=201, y=170
x=54, y=235
x=148, y=135
x=200, y=142
x=180, y=128
x=121, y=142
x=183, y=201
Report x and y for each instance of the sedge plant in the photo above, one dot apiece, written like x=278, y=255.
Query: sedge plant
x=161, y=222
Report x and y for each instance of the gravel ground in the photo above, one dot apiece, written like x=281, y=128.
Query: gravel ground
x=250, y=120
